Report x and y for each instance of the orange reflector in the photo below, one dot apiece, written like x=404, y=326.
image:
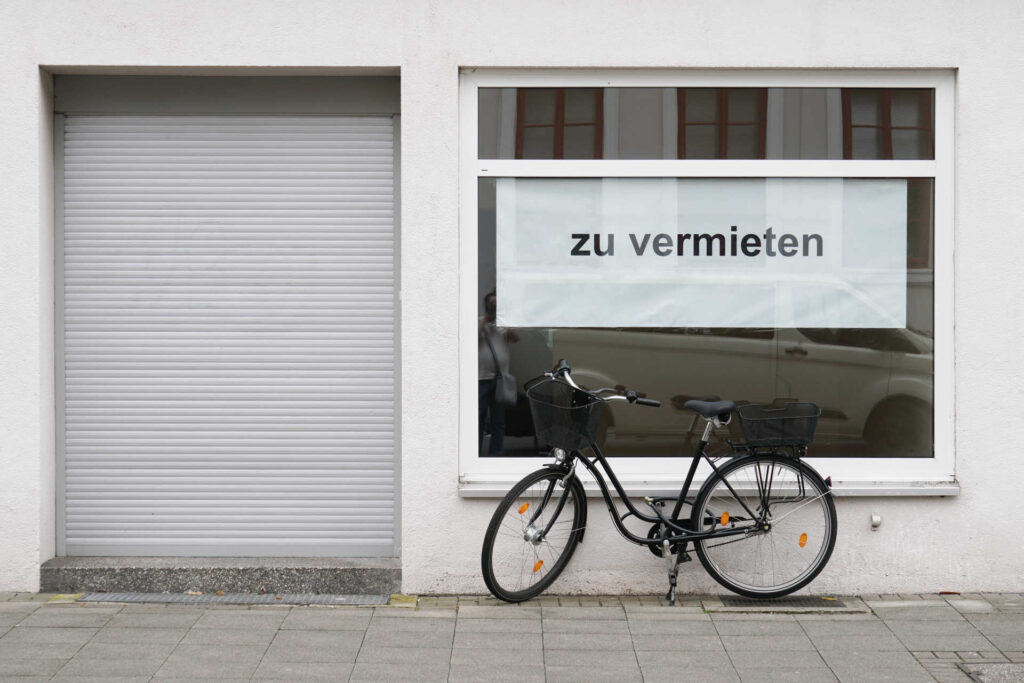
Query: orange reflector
x=536, y=567
x=523, y=507
x=725, y=519
x=803, y=540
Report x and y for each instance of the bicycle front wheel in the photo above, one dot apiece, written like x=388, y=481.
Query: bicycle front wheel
x=787, y=519
x=532, y=535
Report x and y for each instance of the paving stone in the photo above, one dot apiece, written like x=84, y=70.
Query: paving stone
x=314, y=646
x=51, y=618
x=776, y=659
x=100, y=679
x=874, y=627
x=885, y=642
x=579, y=674
x=218, y=653
x=583, y=612
x=155, y=620
x=247, y=619
x=683, y=660
x=397, y=671
x=918, y=610
x=40, y=650
x=967, y=606
x=185, y=666
x=588, y=641
x=505, y=673
x=419, y=613
x=139, y=636
x=94, y=650
x=34, y=666
x=655, y=612
x=496, y=641
x=767, y=642
x=505, y=625
x=758, y=628
x=670, y=674
x=411, y=625
x=754, y=616
x=814, y=675
x=18, y=607
x=493, y=657
x=59, y=634
x=876, y=666
x=383, y=637
x=607, y=626
x=670, y=627
x=404, y=655
x=111, y=667
x=476, y=612
x=587, y=658
x=678, y=642
x=303, y=671
x=328, y=620
x=227, y=636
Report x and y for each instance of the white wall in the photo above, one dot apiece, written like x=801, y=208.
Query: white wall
x=968, y=542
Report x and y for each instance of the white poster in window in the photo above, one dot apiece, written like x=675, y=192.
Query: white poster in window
x=702, y=252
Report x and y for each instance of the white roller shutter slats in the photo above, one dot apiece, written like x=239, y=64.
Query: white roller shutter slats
x=228, y=335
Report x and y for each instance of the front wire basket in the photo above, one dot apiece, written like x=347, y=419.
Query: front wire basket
x=563, y=416
x=793, y=424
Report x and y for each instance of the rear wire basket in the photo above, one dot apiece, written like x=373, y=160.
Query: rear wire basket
x=564, y=417
x=792, y=424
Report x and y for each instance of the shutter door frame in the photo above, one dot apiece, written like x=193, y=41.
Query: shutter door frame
x=259, y=549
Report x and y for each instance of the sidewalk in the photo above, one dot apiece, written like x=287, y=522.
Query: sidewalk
x=878, y=638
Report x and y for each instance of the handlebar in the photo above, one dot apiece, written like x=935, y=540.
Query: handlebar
x=563, y=371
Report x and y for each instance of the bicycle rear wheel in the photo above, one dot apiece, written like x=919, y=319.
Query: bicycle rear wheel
x=789, y=537
x=519, y=561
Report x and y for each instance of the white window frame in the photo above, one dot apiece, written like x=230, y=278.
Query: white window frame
x=662, y=476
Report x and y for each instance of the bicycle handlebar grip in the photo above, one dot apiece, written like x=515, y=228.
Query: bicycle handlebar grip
x=561, y=368
x=648, y=402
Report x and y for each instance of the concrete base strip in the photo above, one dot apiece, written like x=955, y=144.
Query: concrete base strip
x=238, y=598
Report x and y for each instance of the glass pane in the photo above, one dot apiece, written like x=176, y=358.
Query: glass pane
x=910, y=107
x=866, y=143
x=874, y=384
x=539, y=143
x=742, y=143
x=581, y=105
x=911, y=144
x=800, y=123
x=865, y=107
x=701, y=105
x=539, y=105
x=579, y=142
x=702, y=142
x=744, y=104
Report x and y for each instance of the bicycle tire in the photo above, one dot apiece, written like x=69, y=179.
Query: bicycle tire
x=506, y=536
x=796, y=547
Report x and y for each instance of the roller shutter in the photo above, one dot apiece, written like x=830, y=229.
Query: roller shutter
x=227, y=336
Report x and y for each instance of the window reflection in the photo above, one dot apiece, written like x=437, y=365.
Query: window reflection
x=706, y=123
x=875, y=386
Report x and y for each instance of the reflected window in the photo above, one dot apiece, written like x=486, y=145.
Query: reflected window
x=559, y=123
x=721, y=123
x=887, y=123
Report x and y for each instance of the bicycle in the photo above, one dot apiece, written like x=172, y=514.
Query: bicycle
x=763, y=524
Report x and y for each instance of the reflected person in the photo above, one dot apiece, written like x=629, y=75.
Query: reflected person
x=493, y=359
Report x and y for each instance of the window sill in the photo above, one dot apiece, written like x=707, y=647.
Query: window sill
x=497, y=488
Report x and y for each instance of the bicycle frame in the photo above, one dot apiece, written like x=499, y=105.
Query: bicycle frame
x=673, y=523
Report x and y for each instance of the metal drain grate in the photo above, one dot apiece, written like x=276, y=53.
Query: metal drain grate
x=238, y=599
x=812, y=601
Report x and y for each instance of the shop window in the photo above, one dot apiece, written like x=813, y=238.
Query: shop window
x=867, y=348
x=721, y=123
x=559, y=123
x=887, y=123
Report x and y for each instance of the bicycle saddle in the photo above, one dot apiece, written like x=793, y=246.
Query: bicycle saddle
x=710, y=409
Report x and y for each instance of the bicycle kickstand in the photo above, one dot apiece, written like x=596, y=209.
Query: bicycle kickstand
x=672, y=563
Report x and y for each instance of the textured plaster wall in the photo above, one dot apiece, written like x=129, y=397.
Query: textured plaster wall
x=924, y=544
